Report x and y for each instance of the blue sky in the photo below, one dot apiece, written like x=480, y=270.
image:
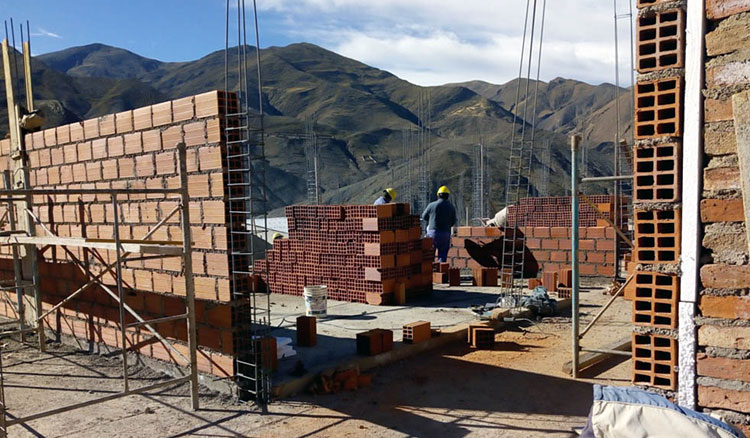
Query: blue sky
x=427, y=42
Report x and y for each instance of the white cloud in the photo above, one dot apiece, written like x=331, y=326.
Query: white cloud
x=44, y=33
x=437, y=41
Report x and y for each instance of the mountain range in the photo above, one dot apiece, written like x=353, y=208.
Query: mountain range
x=362, y=115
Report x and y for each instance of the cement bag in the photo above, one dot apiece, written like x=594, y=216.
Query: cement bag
x=635, y=413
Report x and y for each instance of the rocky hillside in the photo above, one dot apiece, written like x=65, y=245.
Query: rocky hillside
x=362, y=112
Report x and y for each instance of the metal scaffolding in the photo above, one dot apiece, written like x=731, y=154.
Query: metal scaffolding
x=620, y=347
x=18, y=196
x=248, y=202
x=126, y=251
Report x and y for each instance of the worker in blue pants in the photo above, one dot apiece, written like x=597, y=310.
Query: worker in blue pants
x=440, y=216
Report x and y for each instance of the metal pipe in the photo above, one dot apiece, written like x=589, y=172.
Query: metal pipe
x=157, y=320
x=606, y=178
x=606, y=306
x=120, y=294
x=30, y=192
x=188, y=271
x=606, y=219
x=575, y=141
x=16, y=262
x=606, y=351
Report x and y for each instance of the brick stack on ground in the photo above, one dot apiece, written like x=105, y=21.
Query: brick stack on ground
x=362, y=253
x=723, y=352
x=660, y=54
x=136, y=149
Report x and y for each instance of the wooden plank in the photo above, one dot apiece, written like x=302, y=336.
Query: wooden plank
x=741, y=109
x=589, y=359
x=82, y=243
x=27, y=76
x=138, y=241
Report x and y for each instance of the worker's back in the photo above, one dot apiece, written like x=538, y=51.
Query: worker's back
x=440, y=215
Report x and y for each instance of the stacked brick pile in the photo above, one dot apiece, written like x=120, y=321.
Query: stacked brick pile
x=136, y=149
x=554, y=211
x=723, y=352
x=549, y=247
x=660, y=47
x=363, y=253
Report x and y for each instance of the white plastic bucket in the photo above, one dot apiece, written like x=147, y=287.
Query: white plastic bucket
x=315, y=300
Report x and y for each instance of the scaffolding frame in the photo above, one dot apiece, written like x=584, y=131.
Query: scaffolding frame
x=141, y=248
x=576, y=196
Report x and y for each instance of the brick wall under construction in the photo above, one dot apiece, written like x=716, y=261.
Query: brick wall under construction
x=658, y=131
x=136, y=149
x=555, y=211
x=549, y=248
x=723, y=314
x=363, y=253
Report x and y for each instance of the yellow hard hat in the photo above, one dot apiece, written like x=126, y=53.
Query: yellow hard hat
x=391, y=192
x=277, y=236
x=444, y=189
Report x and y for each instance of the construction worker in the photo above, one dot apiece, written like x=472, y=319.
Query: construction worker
x=388, y=195
x=440, y=216
x=277, y=236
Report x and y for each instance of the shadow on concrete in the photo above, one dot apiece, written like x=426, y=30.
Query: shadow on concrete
x=442, y=396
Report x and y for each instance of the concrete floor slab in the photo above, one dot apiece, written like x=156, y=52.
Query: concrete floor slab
x=446, y=307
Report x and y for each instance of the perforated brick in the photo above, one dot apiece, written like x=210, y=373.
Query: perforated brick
x=655, y=300
x=660, y=40
x=657, y=236
x=656, y=173
x=416, y=332
x=654, y=361
x=658, y=108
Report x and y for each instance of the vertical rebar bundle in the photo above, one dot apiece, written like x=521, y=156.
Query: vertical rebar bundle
x=480, y=196
x=520, y=158
x=423, y=135
x=247, y=200
x=408, y=195
x=312, y=155
x=546, y=168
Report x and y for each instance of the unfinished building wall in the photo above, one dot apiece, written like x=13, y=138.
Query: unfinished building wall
x=723, y=314
x=548, y=246
x=136, y=149
x=657, y=152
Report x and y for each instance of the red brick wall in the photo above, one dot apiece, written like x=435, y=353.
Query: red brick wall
x=550, y=247
x=554, y=211
x=136, y=149
x=723, y=359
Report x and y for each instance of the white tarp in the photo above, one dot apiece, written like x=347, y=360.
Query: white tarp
x=635, y=413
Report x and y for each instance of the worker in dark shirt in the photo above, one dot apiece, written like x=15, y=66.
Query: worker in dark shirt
x=440, y=216
x=388, y=195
